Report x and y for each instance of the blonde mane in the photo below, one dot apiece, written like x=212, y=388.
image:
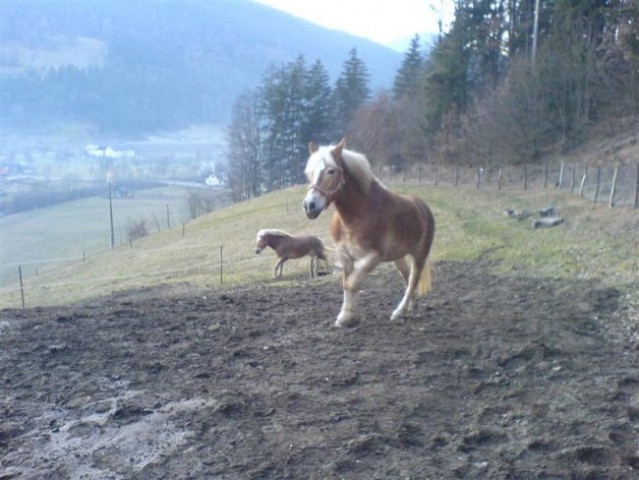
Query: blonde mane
x=272, y=231
x=357, y=164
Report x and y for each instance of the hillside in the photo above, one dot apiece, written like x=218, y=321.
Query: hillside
x=135, y=66
x=218, y=249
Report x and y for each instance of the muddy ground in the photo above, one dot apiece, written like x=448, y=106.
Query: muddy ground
x=492, y=378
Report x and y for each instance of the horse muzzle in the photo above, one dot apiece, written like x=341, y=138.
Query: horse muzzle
x=311, y=209
x=313, y=205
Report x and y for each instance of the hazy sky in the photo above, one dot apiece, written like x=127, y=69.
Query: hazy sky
x=383, y=21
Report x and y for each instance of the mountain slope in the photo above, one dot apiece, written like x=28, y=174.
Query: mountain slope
x=164, y=63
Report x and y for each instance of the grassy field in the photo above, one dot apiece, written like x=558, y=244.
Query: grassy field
x=39, y=240
x=594, y=242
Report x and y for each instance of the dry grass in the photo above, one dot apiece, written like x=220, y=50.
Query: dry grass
x=594, y=242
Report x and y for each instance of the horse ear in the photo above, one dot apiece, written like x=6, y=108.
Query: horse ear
x=337, y=151
x=312, y=147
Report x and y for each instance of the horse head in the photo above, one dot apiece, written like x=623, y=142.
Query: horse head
x=325, y=173
x=261, y=242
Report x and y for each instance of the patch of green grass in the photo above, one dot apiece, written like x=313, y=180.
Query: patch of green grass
x=593, y=242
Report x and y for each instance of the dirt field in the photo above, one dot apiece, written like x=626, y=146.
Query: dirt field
x=492, y=378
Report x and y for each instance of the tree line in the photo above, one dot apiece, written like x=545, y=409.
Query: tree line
x=510, y=82
x=120, y=98
x=272, y=125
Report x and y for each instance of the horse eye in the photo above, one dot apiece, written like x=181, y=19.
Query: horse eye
x=331, y=171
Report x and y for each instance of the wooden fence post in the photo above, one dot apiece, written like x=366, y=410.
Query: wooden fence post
x=581, y=188
x=111, y=216
x=499, y=179
x=456, y=175
x=583, y=183
x=636, y=205
x=611, y=202
x=221, y=265
x=561, y=175
x=21, y=285
x=478, y=176
x=546, y=175
x=572, y=178
x=525, y=177
x=598, y=185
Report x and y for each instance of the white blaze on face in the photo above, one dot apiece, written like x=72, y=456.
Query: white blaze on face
x=315, y=200
x=317, y=170
x=259, y=248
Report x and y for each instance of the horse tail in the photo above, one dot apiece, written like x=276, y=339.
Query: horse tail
x=423, y=287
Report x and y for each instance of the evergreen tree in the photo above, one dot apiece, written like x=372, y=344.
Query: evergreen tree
x=446, y=85
x=409, y=74
x=285, y=104
x=317, y=98
x=351, y=92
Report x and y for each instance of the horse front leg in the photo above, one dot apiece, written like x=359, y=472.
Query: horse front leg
x=354, y=273
x=346, y=316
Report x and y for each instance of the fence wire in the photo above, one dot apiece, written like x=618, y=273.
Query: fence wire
x=592, y=183
x=612, y=185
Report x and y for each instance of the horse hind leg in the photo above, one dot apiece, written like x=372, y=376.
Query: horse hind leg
x=418, y=283
x=403, y=267
x=313, y=268
x=279, y=266
x=324, y=259
x=412, y=281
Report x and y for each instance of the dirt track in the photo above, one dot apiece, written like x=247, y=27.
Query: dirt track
x=493, y=378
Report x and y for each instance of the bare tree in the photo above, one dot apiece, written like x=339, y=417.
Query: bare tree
x=243, y=169
x=374, y=130
x=136, y=229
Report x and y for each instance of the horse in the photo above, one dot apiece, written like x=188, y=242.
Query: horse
x=370, y=225
x=287, y=246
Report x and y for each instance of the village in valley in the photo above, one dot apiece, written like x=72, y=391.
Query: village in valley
x=37, y=173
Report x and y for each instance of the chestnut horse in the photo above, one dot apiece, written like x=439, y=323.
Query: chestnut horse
x=287, y=246
x=370, y=225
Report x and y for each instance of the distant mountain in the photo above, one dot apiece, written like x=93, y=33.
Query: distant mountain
x=143, y=65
